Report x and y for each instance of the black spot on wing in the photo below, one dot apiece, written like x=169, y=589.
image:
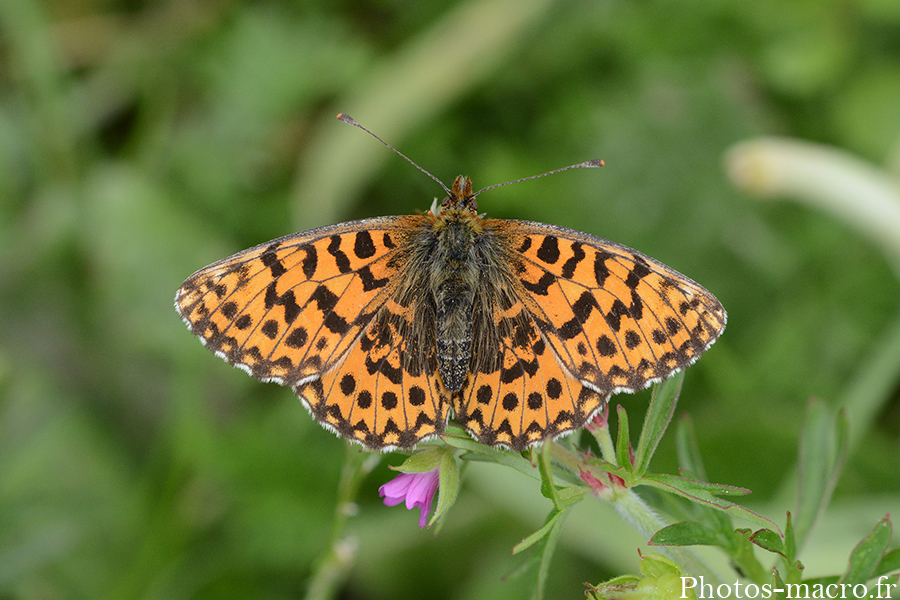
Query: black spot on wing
x=542, y=286
x=310, y=261
x=637, y=273
x=601, y=271
x=229, y=309
x=578, y=255
x=369, y=281
x=581, y=311
x=297, y=338
x=348, y=384
x=287, y=300
x=363, y=246
x=340, y=258
x=324, y=298
x=605, y=346
x=614, y=316
x=270, y=259
x=270, y=329
x=243, y=322
x=549, y=250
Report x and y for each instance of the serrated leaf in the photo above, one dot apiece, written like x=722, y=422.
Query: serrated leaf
x=868, y=553
x=659, y=413
x=743, y=557
x=695, y=486
x=686, y=533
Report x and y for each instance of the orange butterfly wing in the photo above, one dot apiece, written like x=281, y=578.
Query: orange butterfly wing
x=570, y=320
x=596, y=318
x=311, y=311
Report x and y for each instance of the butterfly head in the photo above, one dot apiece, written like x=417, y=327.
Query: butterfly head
x=461, y=196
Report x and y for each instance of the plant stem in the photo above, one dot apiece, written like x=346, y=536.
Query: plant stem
x=331, y=570
x=633, y=509
x=607, y=447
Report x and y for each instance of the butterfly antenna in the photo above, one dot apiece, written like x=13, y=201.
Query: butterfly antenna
x=350, y=121
x=589, y=164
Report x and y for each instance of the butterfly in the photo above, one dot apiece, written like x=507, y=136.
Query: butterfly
x=386, y=326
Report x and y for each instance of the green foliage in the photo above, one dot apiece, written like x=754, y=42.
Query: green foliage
x=140, y=141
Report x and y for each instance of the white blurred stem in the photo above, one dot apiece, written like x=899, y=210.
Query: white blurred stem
x=853, y=190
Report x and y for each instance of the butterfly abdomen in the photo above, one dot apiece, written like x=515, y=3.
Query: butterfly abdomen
x=453, y=277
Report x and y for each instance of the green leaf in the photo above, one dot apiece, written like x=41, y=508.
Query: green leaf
x=547, y=538
x=448, y=485
x=693, y=486
x=623, y=440
x=691, y=467
x=868, y=553
x=548, y=488
x=768, y=540
x=790, y=542
x=744, y=559
x=612, y=589
x=547, y=548
x=655, y=565
x=659, y=413
x=823, y=450
x=422, y=462
x=503, y=457
x=686, y=533
x=777, y=584
x=707, y=494
x=736, y=544
x=889, y=562
x=540, y=533
x=816, y=582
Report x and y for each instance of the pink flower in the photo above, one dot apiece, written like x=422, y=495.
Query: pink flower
x=416, y=489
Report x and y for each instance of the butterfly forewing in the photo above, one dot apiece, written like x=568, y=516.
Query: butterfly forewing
x=616, y=318
x=288, y=309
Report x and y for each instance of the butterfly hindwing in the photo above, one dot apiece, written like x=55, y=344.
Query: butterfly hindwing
x=385, y=393
x=530, y=397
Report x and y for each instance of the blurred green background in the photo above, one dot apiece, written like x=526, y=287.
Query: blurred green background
x=142, y=140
